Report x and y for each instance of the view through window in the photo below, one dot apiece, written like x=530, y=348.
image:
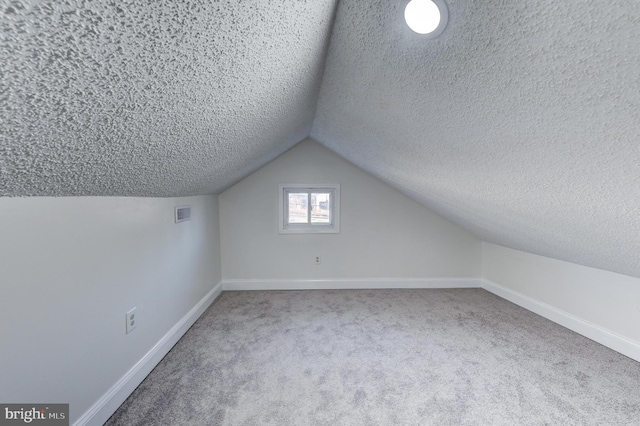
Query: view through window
x=314, y=207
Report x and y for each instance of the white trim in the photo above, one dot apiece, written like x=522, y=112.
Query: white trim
x=588, y=329
x=309, y=228
x=349, y=283
x=114, y=397
x=100, y=412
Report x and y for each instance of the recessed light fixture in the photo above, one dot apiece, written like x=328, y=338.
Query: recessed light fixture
x=427, y=17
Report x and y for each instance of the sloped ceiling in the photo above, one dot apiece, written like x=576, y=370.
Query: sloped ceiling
x=153, y=98
x=521, y=122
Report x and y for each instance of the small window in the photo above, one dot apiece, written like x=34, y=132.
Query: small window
x=309, y=208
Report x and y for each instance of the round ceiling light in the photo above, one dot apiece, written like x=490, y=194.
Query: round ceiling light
x=427, y=17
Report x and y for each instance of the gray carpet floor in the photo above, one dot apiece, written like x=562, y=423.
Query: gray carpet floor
x=383, y=357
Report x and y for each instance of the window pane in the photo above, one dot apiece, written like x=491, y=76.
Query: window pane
x=298, y=206
x=320, y=207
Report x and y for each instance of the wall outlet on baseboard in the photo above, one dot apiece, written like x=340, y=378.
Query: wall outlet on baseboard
x=132, y=320
x=316, y=261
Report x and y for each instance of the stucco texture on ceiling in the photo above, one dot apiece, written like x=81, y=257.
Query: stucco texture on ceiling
x=153, y=98
x=521, y=122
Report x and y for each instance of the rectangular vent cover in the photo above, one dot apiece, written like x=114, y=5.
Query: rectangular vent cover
x=183, y=214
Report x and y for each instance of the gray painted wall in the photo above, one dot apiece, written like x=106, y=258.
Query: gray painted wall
x=605, y=306
x=383, y=234
x=70, y=270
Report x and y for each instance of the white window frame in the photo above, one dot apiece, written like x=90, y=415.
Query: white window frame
x=309, y=228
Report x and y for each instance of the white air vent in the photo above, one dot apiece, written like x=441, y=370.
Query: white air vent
x=183, y=213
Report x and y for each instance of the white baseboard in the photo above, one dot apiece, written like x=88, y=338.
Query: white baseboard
x=110, y=401
x=350, y=284
x=588, y=329
x=114, y=397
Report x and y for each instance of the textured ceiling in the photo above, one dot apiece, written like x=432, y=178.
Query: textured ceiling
x=521, y=122
x=153, y=98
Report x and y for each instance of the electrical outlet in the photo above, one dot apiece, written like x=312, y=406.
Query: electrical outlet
x=132, y=320
x=317, y=260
